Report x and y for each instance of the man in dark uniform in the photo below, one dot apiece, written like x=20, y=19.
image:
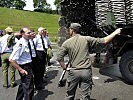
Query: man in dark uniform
x=35, y=68
x=20, y=58
x=80, y=72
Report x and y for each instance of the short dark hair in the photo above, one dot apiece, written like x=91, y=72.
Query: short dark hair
x=21, y=31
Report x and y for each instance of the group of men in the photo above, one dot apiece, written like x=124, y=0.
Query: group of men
x=28, y=55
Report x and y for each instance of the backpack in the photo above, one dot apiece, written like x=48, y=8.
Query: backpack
x=10, y=40
x=49, y=53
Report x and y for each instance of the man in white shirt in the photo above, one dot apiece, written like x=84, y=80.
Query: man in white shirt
x=20, y=59
x=42, y=43
x=6, y=51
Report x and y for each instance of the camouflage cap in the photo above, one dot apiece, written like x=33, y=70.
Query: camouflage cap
x=9, y=29
x=75, y=26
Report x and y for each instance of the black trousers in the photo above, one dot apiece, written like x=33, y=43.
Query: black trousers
x=26, y=88
x=36, y=71
x=41, y=62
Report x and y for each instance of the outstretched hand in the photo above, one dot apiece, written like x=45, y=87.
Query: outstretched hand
x=118, y=31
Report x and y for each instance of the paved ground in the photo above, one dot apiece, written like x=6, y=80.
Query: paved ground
x=107, y=85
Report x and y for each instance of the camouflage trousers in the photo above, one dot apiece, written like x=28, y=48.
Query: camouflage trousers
x=5, y=67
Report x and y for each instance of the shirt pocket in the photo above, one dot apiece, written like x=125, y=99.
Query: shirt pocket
x=27, y=50
x=39, y=44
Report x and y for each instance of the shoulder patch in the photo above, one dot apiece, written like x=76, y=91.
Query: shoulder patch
x=20, y=44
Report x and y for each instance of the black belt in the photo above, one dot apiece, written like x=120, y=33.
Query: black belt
x=27, y=64
x=41, y=50
x=6, y=52
x=80, y=68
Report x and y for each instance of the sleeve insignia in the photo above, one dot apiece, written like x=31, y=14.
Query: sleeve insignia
x=20, y=44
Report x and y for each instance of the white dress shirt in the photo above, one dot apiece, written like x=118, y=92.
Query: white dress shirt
x=38, y=42
x=3, y=44
x=21, y=52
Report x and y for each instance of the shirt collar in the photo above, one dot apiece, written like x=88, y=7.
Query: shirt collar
x=38, y=35
x=24, y=41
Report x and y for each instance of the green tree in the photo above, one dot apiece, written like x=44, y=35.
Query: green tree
x=17, y=4
x=6, y=3
x=48, y=9
x=35, y=2
x=57, y=3
x=40, y=5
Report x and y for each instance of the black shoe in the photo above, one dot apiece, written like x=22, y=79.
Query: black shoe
x=39, y=88
x=44, y=81
x=46, y=76
x=49, y=64
x=13, y=85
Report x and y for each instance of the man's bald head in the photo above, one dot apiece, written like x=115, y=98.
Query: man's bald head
x=26, y=33
x=42, y=31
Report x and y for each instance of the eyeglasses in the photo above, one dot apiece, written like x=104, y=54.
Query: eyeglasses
x=43, y=30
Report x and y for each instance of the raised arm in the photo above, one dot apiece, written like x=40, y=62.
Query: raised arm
x=112, y=35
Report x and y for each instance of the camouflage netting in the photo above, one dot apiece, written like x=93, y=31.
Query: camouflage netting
x=94, y=13
x=95, y=16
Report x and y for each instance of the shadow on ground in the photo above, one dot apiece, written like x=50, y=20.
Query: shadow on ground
x=51, y=75
x=43, y=94
x=113, y=72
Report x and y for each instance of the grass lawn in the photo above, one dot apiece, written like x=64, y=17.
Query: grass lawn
x=20, y=18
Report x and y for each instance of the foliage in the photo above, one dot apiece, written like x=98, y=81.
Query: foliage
x=40, y=5
x=57, y=3
x=18, y=4
x=35, y=2
x=6, y=3
x=46, y=9
x=18, y=19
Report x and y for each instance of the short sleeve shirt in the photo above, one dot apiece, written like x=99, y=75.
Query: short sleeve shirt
x=38, y=42
x=21, y=52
